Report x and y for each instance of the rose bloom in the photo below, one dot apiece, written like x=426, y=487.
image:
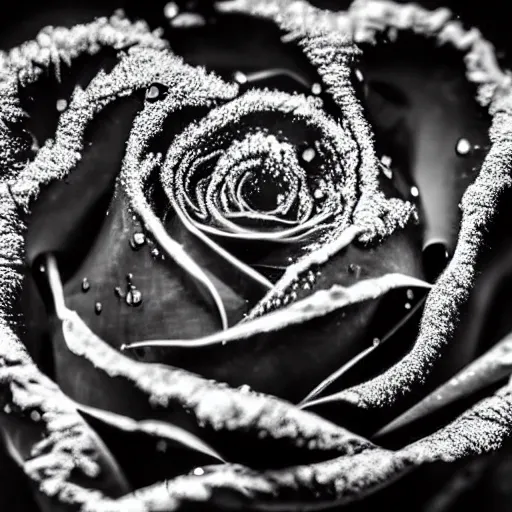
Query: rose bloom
x=250, y=285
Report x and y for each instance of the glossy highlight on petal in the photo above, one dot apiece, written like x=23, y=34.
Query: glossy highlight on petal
x=318, y=304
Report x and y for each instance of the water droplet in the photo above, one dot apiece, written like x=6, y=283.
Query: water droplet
x=129, y=278
x=119, y=292
x=156, y=92
x=171, y=10
x=408, y=306
x=316, y=89
x=309, y=155
x=86, y=286
x=359, y=75
x=134, y=297
x=352, y=397
x=62, y=104
x=161, y=446
x=42, y=269
x=98, y=308
x=415, y=192
x=410, y=294
x=155, y=252
x=137, y=241
x=387, y=162
x=240, y=77
x=153, y=93
x=376, y=342
x=463, y=147
x=7, y=409
x=198, y=471
x=188, y=19
x=35, y=416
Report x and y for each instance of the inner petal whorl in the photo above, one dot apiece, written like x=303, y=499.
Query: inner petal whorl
x=232, y=177
x=260, y=177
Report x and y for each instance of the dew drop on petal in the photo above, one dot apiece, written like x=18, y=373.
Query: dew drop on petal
x=463, y=147
x=386, y=160
x=98, y=308
x=376, y=342
x=410, y=295
x=352, y=397
x=138, y=240
x=309, y=155
x=415, y=192
x=359, y=75
x=156, y=92
x=35, y=416
x=240, y=77
x=188, y=19
x=134, y=297
x=408, y=306
x=61, y=105
x=86, y=286
x=171, y=10
x=198, y=471
x=316, y=89
x=153, y=93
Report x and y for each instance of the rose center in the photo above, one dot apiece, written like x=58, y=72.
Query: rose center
x=265, y=190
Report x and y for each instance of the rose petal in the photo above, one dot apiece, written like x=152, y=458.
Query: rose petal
x=156, y=429
x=482, y=429
x=15, y=492
x=316, y=305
